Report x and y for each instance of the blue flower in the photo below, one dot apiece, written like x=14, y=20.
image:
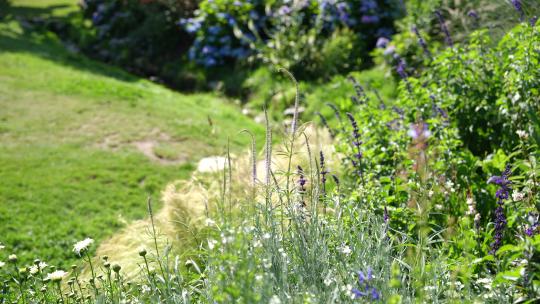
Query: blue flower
x=365, y=286
x=382, y=42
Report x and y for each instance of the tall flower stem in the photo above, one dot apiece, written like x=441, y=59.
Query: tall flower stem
x=93, y=282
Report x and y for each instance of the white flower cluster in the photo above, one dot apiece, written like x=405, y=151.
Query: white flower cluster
x=82, y=246
x=56, y=276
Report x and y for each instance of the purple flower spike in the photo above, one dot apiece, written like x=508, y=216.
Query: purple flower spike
x=533, y=20
x=444, y=28
x=519, y=8
x=421, y=41
x=500, y=218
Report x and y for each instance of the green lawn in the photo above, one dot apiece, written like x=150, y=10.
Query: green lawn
x=73, y=133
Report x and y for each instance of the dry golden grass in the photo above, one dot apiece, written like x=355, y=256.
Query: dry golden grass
x=186, y=203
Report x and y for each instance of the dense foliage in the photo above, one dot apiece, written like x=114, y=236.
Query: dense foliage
x=141, y=36
x=430, y=197
x=309, y=37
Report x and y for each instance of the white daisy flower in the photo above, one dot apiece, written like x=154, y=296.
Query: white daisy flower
x=56, y=276
x=82, y=245
x=33, y=269
x=2, y=264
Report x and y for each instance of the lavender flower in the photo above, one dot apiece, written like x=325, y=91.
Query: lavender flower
x=519, y=8
x=365, y=289
x=502, y=194
x=421, y=41
x=385, y=216
x=444, y=28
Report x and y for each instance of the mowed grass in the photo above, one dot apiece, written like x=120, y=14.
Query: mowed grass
x=71, y=131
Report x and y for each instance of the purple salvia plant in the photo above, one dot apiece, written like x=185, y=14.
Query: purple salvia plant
x=357, y=158
x=533, y=21
x=500, y=218
x=382, y=105
x=325, y=124
x=401, y=69
x=444, y=29
x=519, y=8
x=366, y=290
x=359, y=89
x=421, y=41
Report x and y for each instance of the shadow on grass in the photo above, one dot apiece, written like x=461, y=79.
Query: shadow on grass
x=34, y=39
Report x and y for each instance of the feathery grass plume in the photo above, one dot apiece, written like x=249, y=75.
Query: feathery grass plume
x=421, y=41
x=294, y=125
x=253, y=157
x=325, y=124
x=444, y=28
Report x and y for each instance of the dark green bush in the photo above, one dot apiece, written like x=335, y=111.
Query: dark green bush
x=141, y=36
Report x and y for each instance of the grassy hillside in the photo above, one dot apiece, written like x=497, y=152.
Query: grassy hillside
x=83, y=144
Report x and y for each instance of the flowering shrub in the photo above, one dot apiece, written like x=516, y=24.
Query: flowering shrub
x=140, y=36
x=287, y=33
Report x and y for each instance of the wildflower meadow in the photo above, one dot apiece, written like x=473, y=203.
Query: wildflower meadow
x=284, y=151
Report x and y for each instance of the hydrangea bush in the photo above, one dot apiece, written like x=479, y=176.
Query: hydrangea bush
x=287, y=33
